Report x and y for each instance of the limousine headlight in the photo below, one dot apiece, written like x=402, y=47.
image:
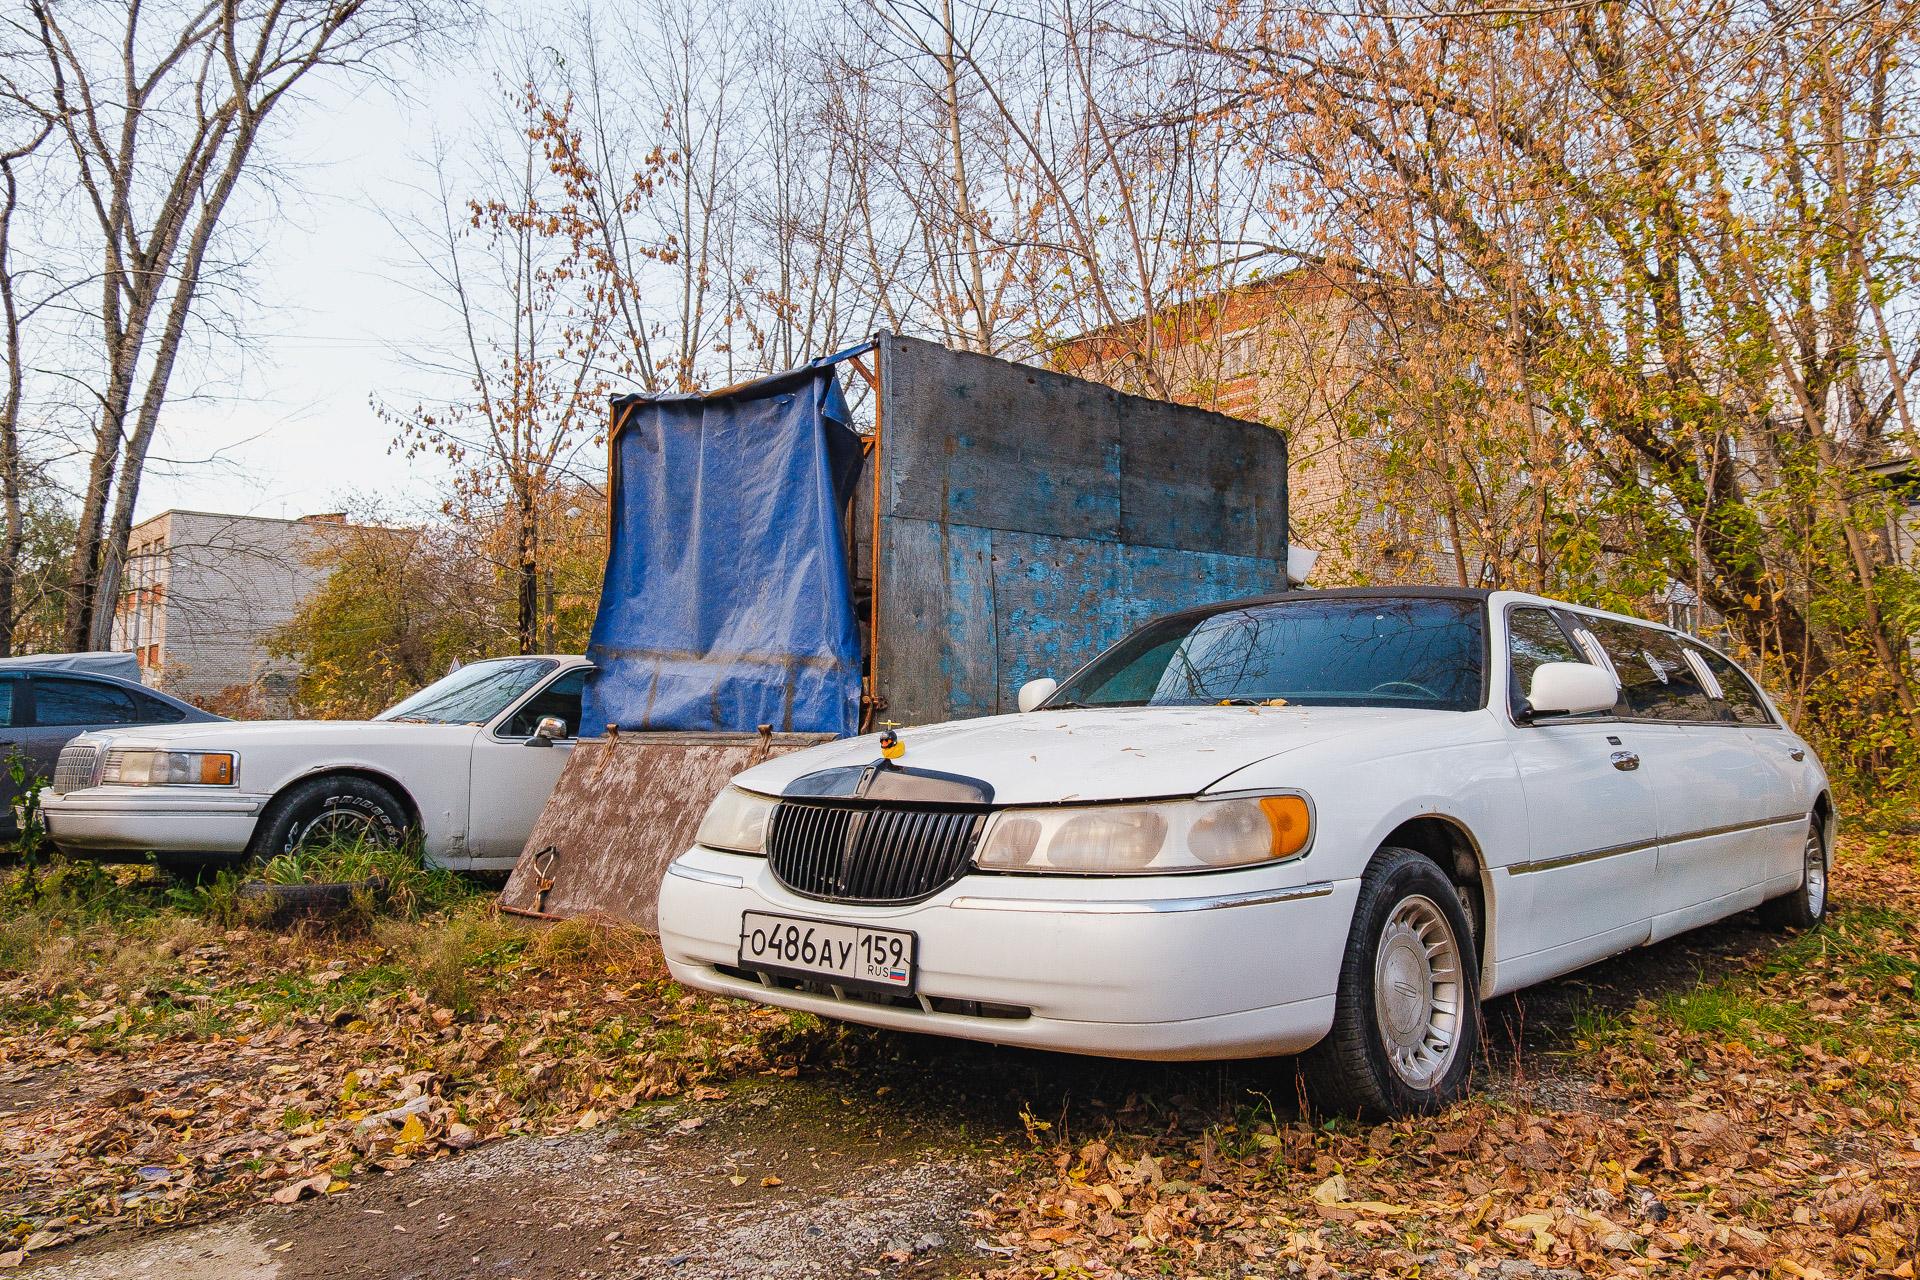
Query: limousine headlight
x=132, y=768
x=736, y=821
x=1145, y=839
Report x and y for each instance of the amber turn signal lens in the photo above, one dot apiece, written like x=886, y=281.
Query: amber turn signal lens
x=1290, y=822
x=216, y=771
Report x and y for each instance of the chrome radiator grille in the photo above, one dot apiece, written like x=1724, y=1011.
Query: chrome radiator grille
x=74, y=770
x=867, y=853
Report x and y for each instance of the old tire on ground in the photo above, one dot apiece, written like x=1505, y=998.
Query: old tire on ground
x=1806, y=906
x=321, y=810
x=1406, y=1021
x=271, y=904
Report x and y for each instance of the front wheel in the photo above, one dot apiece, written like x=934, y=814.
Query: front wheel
x=1806, y=906
x=1406, y=1021
x=331, y=811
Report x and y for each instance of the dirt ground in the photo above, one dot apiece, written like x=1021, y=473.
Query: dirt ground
x=777, y=1181
x=878, y=1164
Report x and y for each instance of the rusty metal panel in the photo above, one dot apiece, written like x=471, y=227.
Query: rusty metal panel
x=1029, y=519
x=627, y=805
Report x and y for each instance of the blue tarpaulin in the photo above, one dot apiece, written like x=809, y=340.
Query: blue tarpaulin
x=727, y=603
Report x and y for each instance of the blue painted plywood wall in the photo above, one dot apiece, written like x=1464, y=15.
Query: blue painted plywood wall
x=1029, y=519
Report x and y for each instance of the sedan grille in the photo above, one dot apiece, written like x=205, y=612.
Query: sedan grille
x=74, y=770
x=863, y=853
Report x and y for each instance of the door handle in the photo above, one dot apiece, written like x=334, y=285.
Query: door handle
x=1625, y=760
x=1798, y=753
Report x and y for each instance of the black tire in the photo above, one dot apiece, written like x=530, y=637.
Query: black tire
x=1806, y=906
x=336, y=806
x=1355, y=1071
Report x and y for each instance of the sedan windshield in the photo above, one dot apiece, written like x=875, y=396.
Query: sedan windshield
x=1353, y=652
x=474, y=694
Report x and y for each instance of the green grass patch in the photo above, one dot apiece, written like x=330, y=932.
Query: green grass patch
x=1841, y=997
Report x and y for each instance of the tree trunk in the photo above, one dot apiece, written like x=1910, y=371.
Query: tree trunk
x=529, y=575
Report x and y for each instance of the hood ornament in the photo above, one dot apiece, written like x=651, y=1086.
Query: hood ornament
x=890, y=745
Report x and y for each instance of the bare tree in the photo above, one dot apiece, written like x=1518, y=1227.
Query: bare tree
x=533, y=318
x=13, y=461
x=161, y=107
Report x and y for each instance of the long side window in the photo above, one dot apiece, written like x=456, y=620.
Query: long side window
x=1742, y=696
x=1656, y=681
x=1533, y=638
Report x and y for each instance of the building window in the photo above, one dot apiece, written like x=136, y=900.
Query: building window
x=1240, y=352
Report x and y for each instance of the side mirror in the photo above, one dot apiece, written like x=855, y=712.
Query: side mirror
x=1035, y=692
x=1571, y=688
x=548, y=730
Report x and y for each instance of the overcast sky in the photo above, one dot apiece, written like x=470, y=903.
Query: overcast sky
x=292, y=432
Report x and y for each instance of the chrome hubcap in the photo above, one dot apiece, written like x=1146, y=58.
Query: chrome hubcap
x=339, y=826
x=1816, y=875
x=1417, y=991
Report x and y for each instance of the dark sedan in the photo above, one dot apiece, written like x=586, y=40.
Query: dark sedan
x=44, y=706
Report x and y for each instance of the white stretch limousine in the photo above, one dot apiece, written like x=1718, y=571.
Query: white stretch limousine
x=1328, y=821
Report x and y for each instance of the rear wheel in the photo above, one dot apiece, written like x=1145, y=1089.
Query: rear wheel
x=337, y=810
x=1806, y=906
x=1406, y=1020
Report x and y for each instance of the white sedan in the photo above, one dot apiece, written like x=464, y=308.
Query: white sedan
x=468, y=762
x=1328, y=822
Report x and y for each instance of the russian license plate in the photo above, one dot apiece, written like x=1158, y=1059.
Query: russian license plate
x=853, y=954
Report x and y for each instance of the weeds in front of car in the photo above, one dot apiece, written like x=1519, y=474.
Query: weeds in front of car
x=408, y=887
x=391, y=883
x=31, y=842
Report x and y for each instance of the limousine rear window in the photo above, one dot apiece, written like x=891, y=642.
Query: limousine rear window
x=1364, y=652
x=1656, y=681
x=1736, y=690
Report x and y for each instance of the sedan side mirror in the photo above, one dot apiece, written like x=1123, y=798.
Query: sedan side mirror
x=1035, y=692
x=1571, y=688
x=547, y=730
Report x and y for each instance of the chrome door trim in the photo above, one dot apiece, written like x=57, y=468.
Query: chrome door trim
x=1732, y=827
x=1616, y=850
x=1575, y=859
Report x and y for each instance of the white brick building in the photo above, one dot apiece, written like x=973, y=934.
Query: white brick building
x=201, y=593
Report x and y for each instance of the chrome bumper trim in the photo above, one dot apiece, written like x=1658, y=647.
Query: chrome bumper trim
x=1144, y=906
x=721, y=878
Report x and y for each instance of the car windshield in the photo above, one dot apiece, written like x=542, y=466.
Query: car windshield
x=474, y=694
x=1354, y=652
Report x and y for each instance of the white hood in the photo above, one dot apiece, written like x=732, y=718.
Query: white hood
x=1126, y=753
x=238, y=734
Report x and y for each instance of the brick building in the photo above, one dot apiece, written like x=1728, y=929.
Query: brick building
x=1289, y=351
x=201, y=593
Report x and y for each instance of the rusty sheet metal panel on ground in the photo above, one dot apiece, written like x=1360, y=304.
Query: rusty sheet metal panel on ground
x=1029, y=519
x=627, y=805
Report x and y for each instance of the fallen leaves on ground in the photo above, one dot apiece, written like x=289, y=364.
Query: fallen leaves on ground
x=1766, y=1125
x=1763, y=1124
x=247, y=1066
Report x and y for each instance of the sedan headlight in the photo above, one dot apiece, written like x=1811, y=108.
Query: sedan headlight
x=737, y=822
x=131, y=768
x=1148, y=839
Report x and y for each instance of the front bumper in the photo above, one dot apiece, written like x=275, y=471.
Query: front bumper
x=97, y=820
x=1226, y=965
